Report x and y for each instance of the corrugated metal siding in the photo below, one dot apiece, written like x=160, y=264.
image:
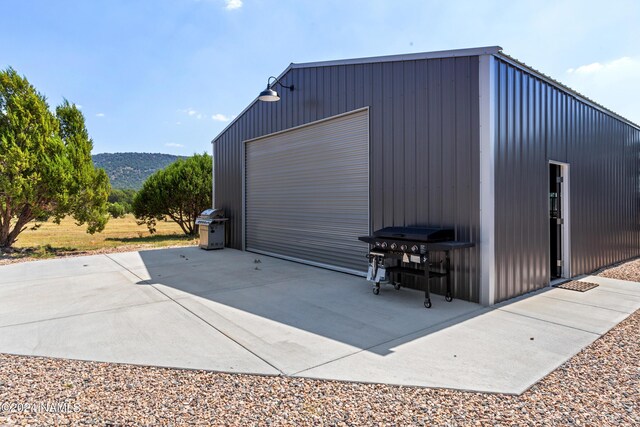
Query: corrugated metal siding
x=423, y=135
x=307, y=192
x=537, y=122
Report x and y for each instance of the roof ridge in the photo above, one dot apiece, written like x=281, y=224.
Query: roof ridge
x=451, y=53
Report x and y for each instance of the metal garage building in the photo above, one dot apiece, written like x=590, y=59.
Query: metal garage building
x=542, y=179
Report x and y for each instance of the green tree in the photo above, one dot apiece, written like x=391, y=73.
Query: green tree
x=45, y=163
x=122, y=196
x=181, y=192
x=116, y=210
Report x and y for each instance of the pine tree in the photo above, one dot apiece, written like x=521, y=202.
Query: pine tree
x=45, y=163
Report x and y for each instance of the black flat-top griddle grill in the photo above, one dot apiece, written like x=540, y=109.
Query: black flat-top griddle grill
x=405, y=251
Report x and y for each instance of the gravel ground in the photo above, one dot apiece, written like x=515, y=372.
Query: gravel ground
x=599, y=386
x=626, y=271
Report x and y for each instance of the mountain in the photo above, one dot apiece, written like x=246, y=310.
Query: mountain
x=130, y=170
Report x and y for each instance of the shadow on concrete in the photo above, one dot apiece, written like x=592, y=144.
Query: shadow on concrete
x=290, y=307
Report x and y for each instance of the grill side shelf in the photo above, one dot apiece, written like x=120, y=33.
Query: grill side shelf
x=415, y=271
x=449, y=246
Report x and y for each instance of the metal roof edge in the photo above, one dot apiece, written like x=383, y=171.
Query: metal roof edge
x=486, y=50
x=286, y=70
x=564, y=88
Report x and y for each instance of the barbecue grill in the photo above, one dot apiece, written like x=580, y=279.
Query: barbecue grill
x=212, y=230
x=406, y=251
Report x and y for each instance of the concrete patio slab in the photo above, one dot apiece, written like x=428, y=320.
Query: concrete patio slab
x=52, y=268
x=42, y=299
x=600, y=297
x=160, y=334
x=132, y=260
x=297, y=324
x=614, y=285
x=565, y=312
x=240, y=312
x=188, y=280
x=493, y=352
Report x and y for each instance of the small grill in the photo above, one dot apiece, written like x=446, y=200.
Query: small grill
x=212, y=230
x=398, y=251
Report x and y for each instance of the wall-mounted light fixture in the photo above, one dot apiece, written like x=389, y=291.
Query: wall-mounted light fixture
x=269, y=94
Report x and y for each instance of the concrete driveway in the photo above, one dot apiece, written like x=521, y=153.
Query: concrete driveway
x=222, y=311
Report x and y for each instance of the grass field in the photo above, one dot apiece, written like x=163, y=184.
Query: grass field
x=122, y=233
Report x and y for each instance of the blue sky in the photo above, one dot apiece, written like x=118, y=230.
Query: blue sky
x=166, y=75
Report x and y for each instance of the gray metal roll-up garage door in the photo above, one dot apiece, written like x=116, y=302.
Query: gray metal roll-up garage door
x=307, y=193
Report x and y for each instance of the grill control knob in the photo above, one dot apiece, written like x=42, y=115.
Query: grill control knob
x=394, y=246
x=384, y=245
x=403, y=248
x=377, y=244
x=414, y=248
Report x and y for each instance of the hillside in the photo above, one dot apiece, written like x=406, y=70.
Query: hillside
x=130, y=170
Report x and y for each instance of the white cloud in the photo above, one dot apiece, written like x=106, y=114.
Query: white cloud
x=233, y=4
x=591, y=68
x=173, y=144
x=596, y=67
x=609, y=83
x=192, y=113
x=100, y=115
x=78, y=106
x=220, y=118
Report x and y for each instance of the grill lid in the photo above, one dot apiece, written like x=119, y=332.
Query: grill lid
x=210, y=215
x=420, y=234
